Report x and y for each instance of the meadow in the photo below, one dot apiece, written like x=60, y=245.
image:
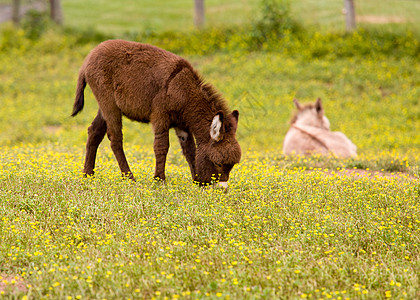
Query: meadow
x=287, y=228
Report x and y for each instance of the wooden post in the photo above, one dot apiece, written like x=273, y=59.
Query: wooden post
x=199, y=13
x=16, y=11
x=350, y=15
x=55, y=11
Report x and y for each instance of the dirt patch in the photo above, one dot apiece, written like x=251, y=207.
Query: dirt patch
x=12, y=283
x=52, y=129
x=380, y=19
x=370, y=174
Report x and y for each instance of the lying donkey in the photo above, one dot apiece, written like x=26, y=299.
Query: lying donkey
x=149, y=84
x=310, y=133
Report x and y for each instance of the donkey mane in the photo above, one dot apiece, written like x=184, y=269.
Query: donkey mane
x=214, y=100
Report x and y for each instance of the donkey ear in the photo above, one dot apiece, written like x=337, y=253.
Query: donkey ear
x=297, y=104
x=235, y=113
x=318, y=106
x=216, y=127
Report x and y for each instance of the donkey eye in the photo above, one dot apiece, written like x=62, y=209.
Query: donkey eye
x=218, y=165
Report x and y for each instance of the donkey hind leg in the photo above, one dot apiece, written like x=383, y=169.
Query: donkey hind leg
x=96, y=133
x=186, y=140
x=113, y=119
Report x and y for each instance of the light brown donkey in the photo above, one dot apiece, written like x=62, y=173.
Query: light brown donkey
x=310, y=133
x=149, y=84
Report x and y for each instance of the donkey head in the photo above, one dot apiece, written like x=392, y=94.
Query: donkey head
x=215, y=159
x=311, y=115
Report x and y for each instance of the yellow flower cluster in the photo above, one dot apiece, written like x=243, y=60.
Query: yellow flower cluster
x=338, y=233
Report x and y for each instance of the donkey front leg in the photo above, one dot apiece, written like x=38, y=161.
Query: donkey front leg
x=96, y=133
x=161, y=147
x=116, y=139
x=186, y=140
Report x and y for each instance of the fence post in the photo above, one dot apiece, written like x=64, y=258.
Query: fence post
x=350, y=15
x=199, y=13
x=16, y=11
x=55, y=11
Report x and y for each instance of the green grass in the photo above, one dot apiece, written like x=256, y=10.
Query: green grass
x=121, y=16
x=288, y=227
x=278, y=232
x=373, y=98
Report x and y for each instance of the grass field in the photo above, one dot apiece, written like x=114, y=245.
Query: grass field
x=178, y=15
x=288, y=227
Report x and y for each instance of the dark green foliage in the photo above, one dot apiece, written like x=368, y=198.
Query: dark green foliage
x=308, y=44
x=86, y=36
x=35, y=23
x=273, y=21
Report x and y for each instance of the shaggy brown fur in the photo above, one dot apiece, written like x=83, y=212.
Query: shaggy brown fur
x=149, y=84
x=310, y=133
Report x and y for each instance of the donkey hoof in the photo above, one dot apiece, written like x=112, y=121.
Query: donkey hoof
x=129, y=176
x=88, y=175
x=159, y=179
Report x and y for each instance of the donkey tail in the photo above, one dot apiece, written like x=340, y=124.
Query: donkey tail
x=79, y=102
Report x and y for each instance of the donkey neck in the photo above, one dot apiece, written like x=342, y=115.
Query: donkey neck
x=310, y=118
x=312, y=132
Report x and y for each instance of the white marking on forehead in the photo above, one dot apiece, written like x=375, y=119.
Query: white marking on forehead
x=215, y=128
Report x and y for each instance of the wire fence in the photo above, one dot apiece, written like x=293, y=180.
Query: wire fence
x=328, y=13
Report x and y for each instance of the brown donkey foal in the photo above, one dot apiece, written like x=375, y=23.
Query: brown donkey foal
x=149, y=84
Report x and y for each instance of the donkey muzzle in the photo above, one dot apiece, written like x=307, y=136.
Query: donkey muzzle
x=223, y=184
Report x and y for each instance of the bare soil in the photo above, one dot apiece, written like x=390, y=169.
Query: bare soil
x=371, y=174
x=15, y=283
x=380, y=19
x=6, y=10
